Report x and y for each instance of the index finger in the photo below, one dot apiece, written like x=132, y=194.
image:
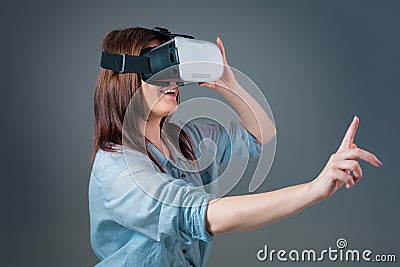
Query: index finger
x=349, y=136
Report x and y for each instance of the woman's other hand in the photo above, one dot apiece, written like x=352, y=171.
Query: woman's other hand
x=227, y=79
x=337, y=171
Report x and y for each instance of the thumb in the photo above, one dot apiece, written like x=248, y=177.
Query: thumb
x=221, y=48
x=211, y=85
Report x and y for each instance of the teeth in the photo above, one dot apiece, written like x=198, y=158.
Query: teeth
x=168, y=91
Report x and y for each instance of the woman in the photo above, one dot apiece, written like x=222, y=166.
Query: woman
x=144, y=210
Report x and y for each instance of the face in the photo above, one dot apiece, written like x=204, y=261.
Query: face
x=161, y=100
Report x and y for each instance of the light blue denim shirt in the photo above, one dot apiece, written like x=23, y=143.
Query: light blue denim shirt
x=129, y=227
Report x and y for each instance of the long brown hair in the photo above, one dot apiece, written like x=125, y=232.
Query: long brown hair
x=114, y=92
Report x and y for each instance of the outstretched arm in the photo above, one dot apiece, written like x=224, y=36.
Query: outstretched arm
x=241, y=213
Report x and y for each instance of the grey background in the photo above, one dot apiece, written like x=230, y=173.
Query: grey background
x=317, y=62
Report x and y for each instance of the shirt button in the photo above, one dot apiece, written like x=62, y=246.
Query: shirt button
x=183, y=175
x=184, y=251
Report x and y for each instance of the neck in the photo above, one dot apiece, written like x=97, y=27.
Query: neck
x=152, y=130
x=153, y=135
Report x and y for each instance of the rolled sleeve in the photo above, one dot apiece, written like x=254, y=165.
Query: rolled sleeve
x=154, y=204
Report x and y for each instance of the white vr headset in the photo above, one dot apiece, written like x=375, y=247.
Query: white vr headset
x=182, y=59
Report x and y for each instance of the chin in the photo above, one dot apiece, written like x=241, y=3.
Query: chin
x=165, y=110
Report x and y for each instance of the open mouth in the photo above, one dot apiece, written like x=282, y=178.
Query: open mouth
x=171, y=91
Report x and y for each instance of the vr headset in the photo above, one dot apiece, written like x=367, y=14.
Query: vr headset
x=181, y=59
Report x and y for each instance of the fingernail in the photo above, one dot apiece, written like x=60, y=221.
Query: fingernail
x=379, y=163
x=355, y=116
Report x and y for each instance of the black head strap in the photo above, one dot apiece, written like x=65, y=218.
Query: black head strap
x=123, y=63
x=166, y=33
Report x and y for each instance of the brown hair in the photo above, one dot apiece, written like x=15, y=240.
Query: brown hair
x=114, y=92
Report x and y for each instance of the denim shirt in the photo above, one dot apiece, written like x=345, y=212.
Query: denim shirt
x=129, y=227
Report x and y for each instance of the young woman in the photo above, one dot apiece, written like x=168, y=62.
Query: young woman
x=144, y=209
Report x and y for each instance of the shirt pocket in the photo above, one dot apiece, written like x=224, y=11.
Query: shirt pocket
x=205, y=176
